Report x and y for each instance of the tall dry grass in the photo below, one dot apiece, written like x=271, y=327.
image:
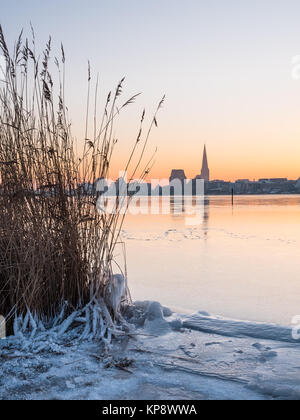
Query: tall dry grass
x=54, y=245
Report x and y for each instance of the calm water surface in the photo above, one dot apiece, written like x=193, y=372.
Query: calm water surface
x=242, y=262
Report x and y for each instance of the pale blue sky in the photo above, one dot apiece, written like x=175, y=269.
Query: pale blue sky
x=225, y=67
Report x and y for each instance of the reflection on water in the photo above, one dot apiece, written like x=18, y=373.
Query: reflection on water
x=182, y=205
x=240, y=262
x=185, y=208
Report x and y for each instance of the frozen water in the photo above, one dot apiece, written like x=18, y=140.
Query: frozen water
x=233, y=328
x=167, y=363
x=241, y=263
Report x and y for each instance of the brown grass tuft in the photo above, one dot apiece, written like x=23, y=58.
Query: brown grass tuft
x=54, y=246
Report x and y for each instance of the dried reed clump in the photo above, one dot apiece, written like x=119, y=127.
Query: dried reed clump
x=54, y=245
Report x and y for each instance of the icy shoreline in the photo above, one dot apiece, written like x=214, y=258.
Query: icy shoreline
x=168, y=356
x=234, y=328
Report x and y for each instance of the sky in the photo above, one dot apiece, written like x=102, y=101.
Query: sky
x=225, y=67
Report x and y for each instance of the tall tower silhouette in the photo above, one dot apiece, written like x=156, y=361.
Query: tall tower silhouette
x=205, y=169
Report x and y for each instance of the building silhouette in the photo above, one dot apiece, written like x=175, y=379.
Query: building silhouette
x=239, y=187
x=177, y=174
x=205, y=169
x=205, y=174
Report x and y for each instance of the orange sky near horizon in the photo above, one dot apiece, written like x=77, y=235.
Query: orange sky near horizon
x=265, y=152
x=225, y=68
x=227, y=168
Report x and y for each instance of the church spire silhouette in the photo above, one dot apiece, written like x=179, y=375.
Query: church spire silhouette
x=205, y=169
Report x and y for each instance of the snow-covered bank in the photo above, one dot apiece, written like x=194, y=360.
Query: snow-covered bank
x=162, y=359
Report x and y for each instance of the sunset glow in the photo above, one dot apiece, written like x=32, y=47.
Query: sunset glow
x=227, y=85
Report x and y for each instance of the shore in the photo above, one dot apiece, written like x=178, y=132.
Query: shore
x=166, y=357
